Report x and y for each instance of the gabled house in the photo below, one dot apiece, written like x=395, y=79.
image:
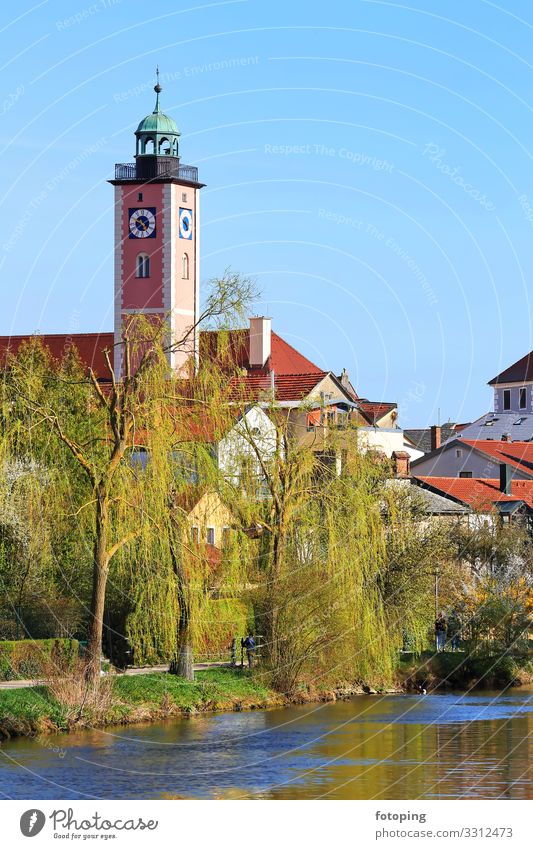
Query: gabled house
x=511, y=416
x=465, y=458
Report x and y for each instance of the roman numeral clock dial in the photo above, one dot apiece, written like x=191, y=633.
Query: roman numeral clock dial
x=142, y=223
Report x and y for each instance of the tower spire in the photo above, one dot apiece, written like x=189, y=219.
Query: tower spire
x=157, y=89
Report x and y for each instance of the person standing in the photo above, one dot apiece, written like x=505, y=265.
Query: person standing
x=249, y=644
x=441, y=627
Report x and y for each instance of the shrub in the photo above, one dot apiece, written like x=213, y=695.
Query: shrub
x=30, y=658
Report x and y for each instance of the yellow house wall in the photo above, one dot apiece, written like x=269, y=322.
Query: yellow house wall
x=210, y=512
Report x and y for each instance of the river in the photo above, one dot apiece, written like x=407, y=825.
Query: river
x=474, y=746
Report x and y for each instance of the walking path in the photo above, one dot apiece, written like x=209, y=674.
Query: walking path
x=133, y=670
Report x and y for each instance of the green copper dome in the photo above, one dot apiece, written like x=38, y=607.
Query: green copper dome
x=158, y=122
x=157, y=134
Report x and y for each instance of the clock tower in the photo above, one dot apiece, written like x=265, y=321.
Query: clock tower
x=157, y=212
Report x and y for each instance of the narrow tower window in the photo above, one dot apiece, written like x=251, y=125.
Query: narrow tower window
x=143, y=265
x=185, y=267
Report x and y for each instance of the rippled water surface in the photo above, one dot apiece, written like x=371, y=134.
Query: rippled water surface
x=389, y=747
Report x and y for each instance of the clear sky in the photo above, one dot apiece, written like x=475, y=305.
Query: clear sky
x=369, y=162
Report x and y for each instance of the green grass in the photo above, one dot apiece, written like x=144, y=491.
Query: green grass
x=211, y=685
x=31, y=710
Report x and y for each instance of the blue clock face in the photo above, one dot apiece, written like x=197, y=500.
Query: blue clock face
x=142, y=223
x=185, y=223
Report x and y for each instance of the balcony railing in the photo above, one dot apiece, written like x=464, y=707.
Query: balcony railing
x=154, y=169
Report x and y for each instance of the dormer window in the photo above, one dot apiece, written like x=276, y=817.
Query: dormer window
x=143, y=265
x=506, y=399
x=523, y=398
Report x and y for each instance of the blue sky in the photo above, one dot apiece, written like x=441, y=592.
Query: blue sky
x=368, y=162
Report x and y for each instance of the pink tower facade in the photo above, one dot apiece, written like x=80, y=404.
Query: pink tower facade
x=157, y=217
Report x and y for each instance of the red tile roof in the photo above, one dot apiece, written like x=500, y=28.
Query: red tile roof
x=375, y=410
x=519, y=455
x=479, y=493
x=89, y=345
x=520, y=371
x=287, y=387
x=284, y=359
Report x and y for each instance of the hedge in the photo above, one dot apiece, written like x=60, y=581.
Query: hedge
x=28, y=658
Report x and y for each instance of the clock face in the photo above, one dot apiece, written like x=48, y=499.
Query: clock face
x=142, y=223
x=185, y=224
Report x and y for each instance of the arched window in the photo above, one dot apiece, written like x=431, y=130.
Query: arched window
x=164, y=147
x=149, y=146
x=185, y=267
x=143, y=265
x=175, y=147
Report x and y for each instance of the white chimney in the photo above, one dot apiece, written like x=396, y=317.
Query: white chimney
x=260, y=340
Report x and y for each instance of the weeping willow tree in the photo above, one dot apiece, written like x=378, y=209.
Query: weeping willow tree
x=321, y=549
x=345, y=562
x=169, y=576
x=96, y=429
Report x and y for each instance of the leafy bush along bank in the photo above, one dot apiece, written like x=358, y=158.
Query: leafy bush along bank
x=463, y=670
x=33, y=658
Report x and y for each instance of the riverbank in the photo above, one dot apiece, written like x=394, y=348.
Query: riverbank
x=149, y=698
x=463, y=671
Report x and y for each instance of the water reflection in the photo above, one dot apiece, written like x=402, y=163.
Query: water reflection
x=392, y=747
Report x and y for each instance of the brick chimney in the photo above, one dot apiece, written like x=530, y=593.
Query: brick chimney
x=506, y=477
x=260, y=341
x=435, y=437
x=402, y=464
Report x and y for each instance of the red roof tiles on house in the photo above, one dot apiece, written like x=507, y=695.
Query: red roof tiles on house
x=519, y=455
x=479, y=493
x=89, y=345
x=287, y=387
x=520, y=371
x=375, y=410
x=283, y=360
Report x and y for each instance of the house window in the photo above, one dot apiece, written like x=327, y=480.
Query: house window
x=195, y=534
x=143, y=265
x=139, y=195
x=459, y=452
x=210, y=536
x=184, y=197
x=506, y=399
x=523, y=398
x=465, y=474
x=185, y=267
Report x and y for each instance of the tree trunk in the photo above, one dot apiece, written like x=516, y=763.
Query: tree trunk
x=274, y=599
x=100, y=572
x=183, y=663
